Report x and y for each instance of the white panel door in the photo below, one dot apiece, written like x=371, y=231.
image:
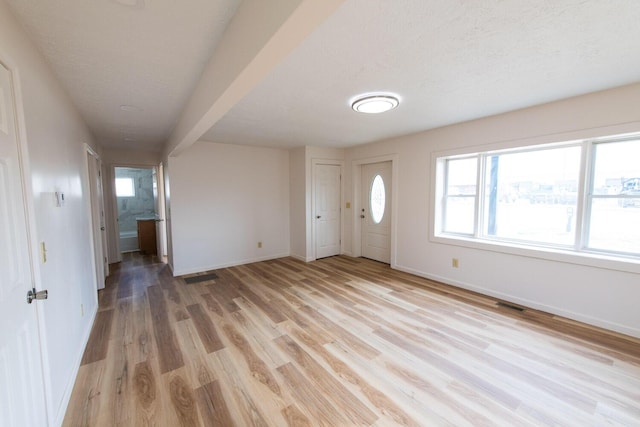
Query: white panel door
x=21, y=387
x=376, y=211
x=327, y=209
x=98, y=219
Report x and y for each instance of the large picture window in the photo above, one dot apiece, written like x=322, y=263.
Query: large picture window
x=579, y=195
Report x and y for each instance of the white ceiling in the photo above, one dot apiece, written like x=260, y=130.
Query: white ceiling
x=149, y=56
x=449, y=61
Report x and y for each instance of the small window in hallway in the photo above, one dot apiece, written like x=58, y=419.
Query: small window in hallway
x=125, y=187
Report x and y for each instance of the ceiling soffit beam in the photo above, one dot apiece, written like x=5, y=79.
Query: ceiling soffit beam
x=258, y=38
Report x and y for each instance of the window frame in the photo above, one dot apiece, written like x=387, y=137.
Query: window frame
x=446, y=195
x=577, y=253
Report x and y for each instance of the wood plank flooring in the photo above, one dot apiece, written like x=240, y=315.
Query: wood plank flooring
x=339, y=342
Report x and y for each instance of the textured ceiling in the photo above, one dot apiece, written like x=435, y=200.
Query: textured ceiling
x=148, y=55
x=450, y=61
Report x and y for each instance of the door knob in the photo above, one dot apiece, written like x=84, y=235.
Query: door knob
x=32, y=294
x=317, y=216
x=102, y=228
x=362, y=216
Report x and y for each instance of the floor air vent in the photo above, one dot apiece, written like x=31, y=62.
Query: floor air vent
x=201, y=278
x=510, y=306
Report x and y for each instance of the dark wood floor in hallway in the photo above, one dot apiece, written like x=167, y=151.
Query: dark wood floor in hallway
x=339, y=342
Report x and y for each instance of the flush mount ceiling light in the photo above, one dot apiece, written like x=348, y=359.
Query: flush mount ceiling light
x=374, y=104
x=130, y=108
x=138, y=4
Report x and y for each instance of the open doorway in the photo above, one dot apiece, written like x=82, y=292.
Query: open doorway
x=136, y=209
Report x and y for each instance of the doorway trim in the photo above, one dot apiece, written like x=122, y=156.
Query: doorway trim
x=98, y=239
x=314, y=164
x=356, y=178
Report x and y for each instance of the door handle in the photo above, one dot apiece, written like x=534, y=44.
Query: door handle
x=318, y=216
x=32, y=294
x=102, y=228
x=362, y=216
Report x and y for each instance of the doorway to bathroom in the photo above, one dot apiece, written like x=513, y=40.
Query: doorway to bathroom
x=136, y=200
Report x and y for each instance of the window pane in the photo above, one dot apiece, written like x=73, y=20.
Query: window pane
x=377, y=199
x=532, y=195
x=613, y=227
x=459, y=217
x=615, y=222
x=459, y=214
x=617, y=168
x=461, y=176
x=125, y=187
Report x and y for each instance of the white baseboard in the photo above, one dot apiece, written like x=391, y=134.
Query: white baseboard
x=180, y=272
x=601, y=323
x=68, y=389
x=301, y=258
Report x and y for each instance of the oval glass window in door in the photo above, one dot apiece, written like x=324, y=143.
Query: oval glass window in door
x=377, y=199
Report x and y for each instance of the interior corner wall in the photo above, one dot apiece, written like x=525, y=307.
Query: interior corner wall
x=167, y=207
x=297, y=203
x=55, y=134
x=224, y=200
x=602, y=297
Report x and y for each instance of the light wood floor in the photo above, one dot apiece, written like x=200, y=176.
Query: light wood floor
x=339, y=342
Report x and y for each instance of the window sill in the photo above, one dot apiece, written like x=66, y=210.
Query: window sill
x=590, y=259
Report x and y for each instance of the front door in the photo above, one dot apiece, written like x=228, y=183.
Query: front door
x=327, y=209
x=21, y=388
x=376, y=211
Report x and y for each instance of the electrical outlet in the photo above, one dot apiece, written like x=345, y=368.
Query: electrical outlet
x=455, y=263
x=259, y=245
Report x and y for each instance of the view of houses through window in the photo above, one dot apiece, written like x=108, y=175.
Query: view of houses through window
x=582, y=195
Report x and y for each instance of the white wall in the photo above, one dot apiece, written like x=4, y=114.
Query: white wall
x=297, y=202
x=54, y=135
x=586, y=292
x=224, y=200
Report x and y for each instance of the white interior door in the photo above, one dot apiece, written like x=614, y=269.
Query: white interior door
x=376, y=211
x=327, y=209
x=22, y=400
x=98, y=219
x=103, y=219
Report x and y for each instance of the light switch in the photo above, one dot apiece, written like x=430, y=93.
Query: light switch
x=43, y=252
